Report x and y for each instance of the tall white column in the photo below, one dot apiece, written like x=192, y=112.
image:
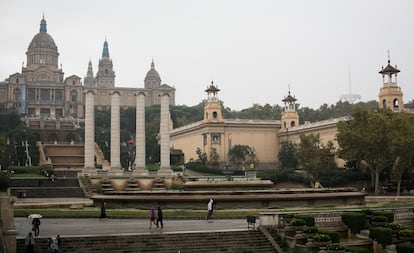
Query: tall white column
x=115, y=132
x=165, y=168
x=140, y=135
x=89, y=162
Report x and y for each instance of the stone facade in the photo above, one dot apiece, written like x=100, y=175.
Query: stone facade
x=41, y=91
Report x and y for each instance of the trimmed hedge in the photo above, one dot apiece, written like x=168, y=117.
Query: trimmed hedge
x=388, y=214
x=406, y=247
x=354, y=221
x=355, y=249
x=310, y=220
x=332, y=234
x=32, y=169
x=382, y=235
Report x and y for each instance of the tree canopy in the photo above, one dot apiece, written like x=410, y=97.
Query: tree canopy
x=378, y=138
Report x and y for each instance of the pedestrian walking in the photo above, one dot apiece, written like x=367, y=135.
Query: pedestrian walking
x=103, y=211
x=152, y=217
x=210, y=209
x=29, y=242
x=159, y=217
x=36, y=225
x=54, y=245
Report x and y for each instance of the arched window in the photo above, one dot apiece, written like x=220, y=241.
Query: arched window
x=17, y=94
x=292, y=123
x=395, y=105
x=384, y=103
x=73, y=96
x=214, y=115
x=284, y=124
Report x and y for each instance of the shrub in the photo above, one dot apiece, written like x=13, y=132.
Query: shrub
x=335, y=246
x=355, y=249
x=298, y=222
x=407, y=232
x=393, y=225
x=379, y=218
x=32, y=169
x=382, y=235
x=309, y=219
x=310, y=229
x=321, y=238
x=354, y=221
x=388, y=214
x=332, y=234
x=406, y=247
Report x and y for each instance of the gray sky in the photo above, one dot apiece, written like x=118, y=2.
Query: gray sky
x=253, y=50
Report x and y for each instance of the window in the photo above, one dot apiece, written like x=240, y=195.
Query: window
x=74, y=96
x=58, y=96
x=73, y=83
x=215, y=138
x=31, y=95
x=44, y=95
x=17, y=95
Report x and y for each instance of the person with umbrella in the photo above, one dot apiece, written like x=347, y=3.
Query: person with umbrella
x=35, y=223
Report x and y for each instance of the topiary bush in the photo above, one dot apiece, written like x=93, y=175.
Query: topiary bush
x=382, y=235
x=321, y=238
x=354, y=221
x=335, y=246
x=388, y=214
x=332, y=234
x=298, y=222
x=310, y=230
x=393, y=225
x=355, y=249
x=309, y=219
x=406, y=247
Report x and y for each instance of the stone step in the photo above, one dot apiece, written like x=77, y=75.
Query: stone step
x=235, y=241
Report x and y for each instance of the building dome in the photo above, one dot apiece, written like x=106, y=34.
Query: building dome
x=152, y=79
x=42, y=40
x=152, y=73
x=42, y=50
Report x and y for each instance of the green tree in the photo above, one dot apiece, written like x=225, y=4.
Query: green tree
x=202, y=156
x=402, y=145
x=314, y=156
x=239, y=153
x=214, y=157
x=365, y=137
x=287, y=156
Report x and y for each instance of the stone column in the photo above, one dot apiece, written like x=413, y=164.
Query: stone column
x=8, y=229
x=115, y=133
x=165, y=168
x=89, y=162
x=140, y=135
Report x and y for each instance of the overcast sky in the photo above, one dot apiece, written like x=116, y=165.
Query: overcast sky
x=253, y=50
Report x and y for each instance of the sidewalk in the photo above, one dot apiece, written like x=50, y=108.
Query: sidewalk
x=71, y=227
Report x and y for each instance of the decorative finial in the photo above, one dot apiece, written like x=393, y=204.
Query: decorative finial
x=152, y=63
x=389, y=57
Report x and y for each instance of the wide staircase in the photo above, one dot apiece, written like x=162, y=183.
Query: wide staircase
x=65, y=156
x=252, y=241
x=46, y=188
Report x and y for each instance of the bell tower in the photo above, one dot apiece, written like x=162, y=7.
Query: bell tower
x=390, y=95
x=290, y=117
x=105, y=78
x=212, y=107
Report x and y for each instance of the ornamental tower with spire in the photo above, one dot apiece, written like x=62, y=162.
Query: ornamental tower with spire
x=105, y=78
x=390, y=95
x=290, y=117
x=89, y=80
x=212, y=107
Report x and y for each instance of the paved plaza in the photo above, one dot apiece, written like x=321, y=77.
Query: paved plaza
x=67, y=227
